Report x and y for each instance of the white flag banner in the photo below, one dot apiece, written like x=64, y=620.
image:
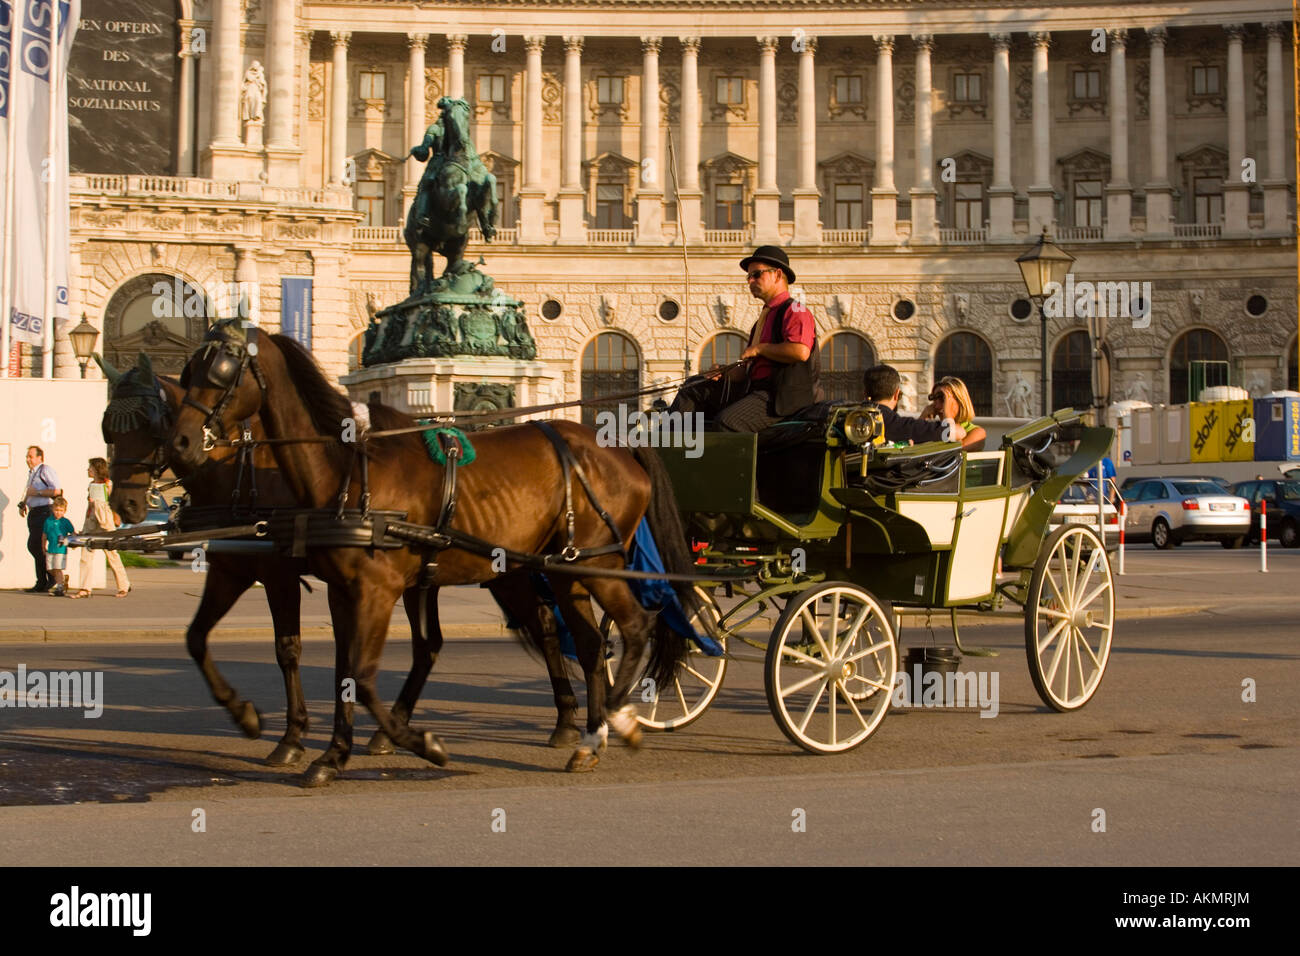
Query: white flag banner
x=6, y=40
x=31, y=110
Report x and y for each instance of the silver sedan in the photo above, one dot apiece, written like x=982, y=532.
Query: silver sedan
x=1169, y=511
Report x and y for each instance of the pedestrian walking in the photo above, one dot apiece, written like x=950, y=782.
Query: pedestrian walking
x=100, y=517
x=56, y=552
x=42, y=488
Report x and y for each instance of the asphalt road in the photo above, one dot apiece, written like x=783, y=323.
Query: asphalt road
x=1179, y=768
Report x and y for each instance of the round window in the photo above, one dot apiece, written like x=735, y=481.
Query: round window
x=904, y=309
x=1021, y=309
x=551, y=310
x=1256, y=306
x=669, y=310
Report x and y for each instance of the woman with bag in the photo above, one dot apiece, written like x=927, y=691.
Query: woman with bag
x=100, y=517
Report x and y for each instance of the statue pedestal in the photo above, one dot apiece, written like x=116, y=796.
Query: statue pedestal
x=425, y=386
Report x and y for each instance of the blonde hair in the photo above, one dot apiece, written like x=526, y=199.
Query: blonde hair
x=59, y=502
x=957, y=388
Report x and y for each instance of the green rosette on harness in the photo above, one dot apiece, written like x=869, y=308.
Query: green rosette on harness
x=434, y=439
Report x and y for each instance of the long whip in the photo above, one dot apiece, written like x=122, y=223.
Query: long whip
x=686, y=262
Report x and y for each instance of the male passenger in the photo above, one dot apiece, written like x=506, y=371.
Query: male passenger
x=884, y=387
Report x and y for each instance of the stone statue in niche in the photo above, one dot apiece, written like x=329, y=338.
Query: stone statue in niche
x=252, y=101
x=907, y=400
x=1020, y=398
x=1138, y=390
x=1258, y=382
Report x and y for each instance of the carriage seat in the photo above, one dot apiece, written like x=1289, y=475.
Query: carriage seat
x=791, y=456
x=930, y=466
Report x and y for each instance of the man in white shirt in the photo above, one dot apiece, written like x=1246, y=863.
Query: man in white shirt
x=42, y=488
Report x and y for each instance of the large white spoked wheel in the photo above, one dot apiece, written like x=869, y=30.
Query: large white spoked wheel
x=1069, y=617
x=699, y=678
x=830, y=667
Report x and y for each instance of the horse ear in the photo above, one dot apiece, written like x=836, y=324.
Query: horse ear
x=144, y=364
x=112, y=374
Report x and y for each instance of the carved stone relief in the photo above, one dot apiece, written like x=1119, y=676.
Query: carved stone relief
x=316, y=91
x=905, y=95
x=1025, y=91
x=433, y=87
x=552, y=98
x=1142, y=88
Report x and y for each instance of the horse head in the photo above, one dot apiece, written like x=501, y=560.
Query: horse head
x=455, y=122
x=137, y=423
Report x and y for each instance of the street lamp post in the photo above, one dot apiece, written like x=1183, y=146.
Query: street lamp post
x=83, y=342
x=1042, y=265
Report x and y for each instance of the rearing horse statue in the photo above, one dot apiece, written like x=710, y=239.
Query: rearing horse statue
x=455, y=183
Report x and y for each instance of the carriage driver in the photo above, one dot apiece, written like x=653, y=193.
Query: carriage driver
x=784, y=370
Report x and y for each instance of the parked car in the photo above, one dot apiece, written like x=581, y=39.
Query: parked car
x=1283, y=499
x=1223, y=483
x=1079, y=506
x=1169, y=511
x=1289, y=470
x=161, y=515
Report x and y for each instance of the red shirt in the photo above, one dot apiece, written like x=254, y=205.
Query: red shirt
x=796, y=327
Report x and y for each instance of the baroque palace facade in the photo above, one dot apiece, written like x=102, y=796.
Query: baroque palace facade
x=904, y=152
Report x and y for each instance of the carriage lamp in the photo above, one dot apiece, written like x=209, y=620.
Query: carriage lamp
x=83, y=342
x=864, y=426
x=1042, y=265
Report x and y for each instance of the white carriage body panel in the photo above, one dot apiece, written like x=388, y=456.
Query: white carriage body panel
x=936, y=517
x=975, y=553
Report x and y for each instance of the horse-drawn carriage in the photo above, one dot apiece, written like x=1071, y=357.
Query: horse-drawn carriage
x=839, y=534
x=813, y=523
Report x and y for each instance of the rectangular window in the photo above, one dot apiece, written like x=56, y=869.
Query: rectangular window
x=1087, y=202
x=492, y=88
x=370, y=201
x=848, y=206
x=1205, y=80
x=1209, y=200
x=609, y=206
x=372, y=85
x=967, y=88
x=969, y=206
x=848, y=89
x=1087, y=84
x=730, y=90
x=609, y=90
x=727, y=205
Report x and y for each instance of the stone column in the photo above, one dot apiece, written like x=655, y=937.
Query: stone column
x=767, y=197
x=282, y=153
x=1002, y=195
x=224, y=156
x=1042, y=197
x=1119, y=191
x=572, y=198
x=1236, y=194
x=185, y=104
x=925, y=230
x=689, y=193
x=650, y=192
x=1160, y=192
x=532, y=197
x=416, y=123
x=884, y=196
x=1277, y=205
x=456, y=65
x=339, y=107
x=807, y=197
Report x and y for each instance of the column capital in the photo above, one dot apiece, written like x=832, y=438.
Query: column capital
x=1157, y=36
x=1043, y=40
x=456, y=42
x=1001, y=41
x=1118, y=37
x=924, y=41
x=690, y=44
x=534, y=44
x=809, y=46
x=1235, y=31
x=414, y=40
x=884, y=42
x=651, y=44
x=1277, y=30
x=306, y=35
x=341, y=38
x=768, y=44
x=573, y=44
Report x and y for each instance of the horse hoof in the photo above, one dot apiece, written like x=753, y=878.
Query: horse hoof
x=565, y=736
x=249, y=720
x=625, y=725
x=584, y=760
x=380, y=745
x=284, y=755
x=434, y=751
x=319, y=775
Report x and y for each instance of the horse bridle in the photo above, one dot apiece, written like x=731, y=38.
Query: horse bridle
x=158, y=414
x=225, y=371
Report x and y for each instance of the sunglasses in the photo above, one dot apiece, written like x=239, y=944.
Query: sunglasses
x=758, y=272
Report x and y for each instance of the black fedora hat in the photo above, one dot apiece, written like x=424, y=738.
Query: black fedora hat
x=773, y=256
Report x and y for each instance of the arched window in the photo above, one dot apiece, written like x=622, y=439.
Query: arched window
x=355, y=348
x=1072, y=372
x=723, y=349
x=966, y=356
x=610, y=366
x=845, y=356
x=160, y=314
x=1199, y=360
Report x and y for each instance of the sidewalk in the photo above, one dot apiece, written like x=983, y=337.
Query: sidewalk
x=1187, y=580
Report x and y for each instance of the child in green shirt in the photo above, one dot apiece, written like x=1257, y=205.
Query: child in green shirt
x=56, y=554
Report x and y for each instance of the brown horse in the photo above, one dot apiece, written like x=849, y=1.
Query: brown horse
x=137, y=424
x=514, y=496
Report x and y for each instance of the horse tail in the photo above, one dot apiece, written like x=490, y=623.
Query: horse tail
x=669, y=646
